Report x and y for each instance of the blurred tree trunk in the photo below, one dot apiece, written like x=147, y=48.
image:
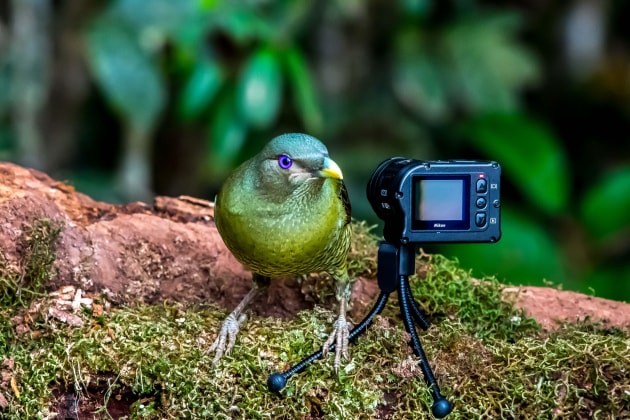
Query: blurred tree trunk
x=50, y=81
x=69, y=84
x=30, y=53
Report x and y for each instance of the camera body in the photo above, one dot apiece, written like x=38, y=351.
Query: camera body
x=440, y=201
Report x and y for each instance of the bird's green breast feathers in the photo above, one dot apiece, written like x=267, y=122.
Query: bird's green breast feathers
x=307, y=232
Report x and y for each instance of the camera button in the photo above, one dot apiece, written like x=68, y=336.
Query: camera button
x=480, y=203
x=482, y=185
x=480, y=219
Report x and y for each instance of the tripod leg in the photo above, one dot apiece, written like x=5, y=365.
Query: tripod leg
x=277, y=381
x=441, y=406
x=417, y=312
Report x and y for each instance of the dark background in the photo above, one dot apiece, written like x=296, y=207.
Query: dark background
x=130, y=98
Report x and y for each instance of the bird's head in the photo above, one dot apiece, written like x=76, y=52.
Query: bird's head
x=294, y=161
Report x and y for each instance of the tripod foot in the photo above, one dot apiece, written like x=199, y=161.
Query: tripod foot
x=276, y=382
x=441, y=408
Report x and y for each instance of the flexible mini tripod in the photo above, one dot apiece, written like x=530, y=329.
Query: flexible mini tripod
x=396, y=262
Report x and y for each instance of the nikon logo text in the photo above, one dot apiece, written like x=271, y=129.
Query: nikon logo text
x=439, y=225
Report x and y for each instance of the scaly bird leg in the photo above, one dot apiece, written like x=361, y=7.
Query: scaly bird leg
x=227, y=336
x=341, y=330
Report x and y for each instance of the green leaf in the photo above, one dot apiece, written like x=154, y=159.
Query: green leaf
x=529, y=154
x=242, y=22
x=526, y=254
x=486, y=65
x=190, y=41
x=418, y=84
x=417, y=7
x=127, y=74
x=303, y=89
x=259, y=89
x=208, y=4
x=227, y=132
x=605, y=209
x=163, y=15
x=200, y=89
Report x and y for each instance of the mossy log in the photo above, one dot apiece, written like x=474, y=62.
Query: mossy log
x=107, y=311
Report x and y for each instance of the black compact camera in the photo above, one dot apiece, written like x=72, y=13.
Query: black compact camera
x=441, y=201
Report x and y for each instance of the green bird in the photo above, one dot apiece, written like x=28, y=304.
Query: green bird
x=286, y=212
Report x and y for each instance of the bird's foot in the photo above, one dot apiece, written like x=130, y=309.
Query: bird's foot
x=339, y=336
x=227, y=336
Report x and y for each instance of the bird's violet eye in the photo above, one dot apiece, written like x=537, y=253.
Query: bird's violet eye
x=285, y=161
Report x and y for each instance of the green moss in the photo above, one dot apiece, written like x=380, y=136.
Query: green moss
x=19, y=285
x=445, y=289
x=362, y=255
x=488, y=357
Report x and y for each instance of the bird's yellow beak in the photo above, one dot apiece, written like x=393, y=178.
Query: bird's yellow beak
x=330, y=169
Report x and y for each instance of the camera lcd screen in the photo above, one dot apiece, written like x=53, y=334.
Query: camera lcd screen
x=441, y=199
x=441, y=203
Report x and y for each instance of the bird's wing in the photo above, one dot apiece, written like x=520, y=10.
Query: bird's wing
x=343, y=194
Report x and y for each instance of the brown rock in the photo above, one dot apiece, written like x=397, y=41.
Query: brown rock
x=170, y=250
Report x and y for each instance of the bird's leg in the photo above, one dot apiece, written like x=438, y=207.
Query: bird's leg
x=341, y=327
x=227, y=336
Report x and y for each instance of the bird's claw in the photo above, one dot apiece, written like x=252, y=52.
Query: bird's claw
x=227, y=337
x=339, y=336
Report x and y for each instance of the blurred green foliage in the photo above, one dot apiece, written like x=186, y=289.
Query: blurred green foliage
x=192, y=87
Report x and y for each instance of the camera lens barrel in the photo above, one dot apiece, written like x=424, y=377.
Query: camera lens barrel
x=383, y=182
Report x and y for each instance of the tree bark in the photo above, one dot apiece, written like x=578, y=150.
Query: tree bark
x=170, y=250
